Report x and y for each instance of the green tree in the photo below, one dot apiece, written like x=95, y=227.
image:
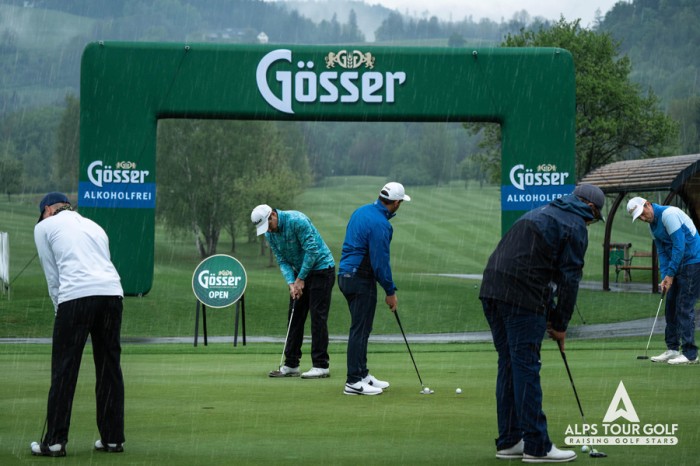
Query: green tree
x=31, y=134
x=351, y=31
x=687, y=113
x=392, y=28
x=67, y=154
x=10, y=174
x=615, y=118
x=211, y=173
x=438, y=153
x=329, y=31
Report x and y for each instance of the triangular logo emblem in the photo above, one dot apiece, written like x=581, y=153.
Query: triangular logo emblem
x=627, y=411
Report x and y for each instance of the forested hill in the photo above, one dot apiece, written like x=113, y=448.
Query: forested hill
x=662, y=40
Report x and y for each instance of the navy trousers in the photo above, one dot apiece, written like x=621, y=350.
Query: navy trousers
x=517, y=335
x=680, y=311
x=361, y=295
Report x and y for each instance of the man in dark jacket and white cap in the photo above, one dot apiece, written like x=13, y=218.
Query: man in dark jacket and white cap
x=530, y=285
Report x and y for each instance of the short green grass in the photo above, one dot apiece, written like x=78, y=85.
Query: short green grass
x=215, y=405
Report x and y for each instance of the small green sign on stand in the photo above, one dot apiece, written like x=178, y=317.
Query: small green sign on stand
x=219, y=281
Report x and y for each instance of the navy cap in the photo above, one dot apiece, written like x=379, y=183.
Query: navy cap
x=592, y=194
x=51, y=199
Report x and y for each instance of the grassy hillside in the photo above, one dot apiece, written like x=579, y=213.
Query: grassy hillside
x=443, y=230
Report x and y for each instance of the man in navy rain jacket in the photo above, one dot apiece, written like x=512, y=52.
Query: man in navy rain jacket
x=529, y=287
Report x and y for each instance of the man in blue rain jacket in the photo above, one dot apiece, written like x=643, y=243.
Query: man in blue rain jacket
x=364, y=262
x=678, y=247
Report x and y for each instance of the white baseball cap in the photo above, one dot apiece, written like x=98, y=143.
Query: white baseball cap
x=394, y=192
x=635, y=207
x=260, y=218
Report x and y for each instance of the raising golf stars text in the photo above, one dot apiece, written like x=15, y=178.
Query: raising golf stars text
x=622, y=434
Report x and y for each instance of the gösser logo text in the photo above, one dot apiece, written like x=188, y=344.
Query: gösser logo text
x=305, y=85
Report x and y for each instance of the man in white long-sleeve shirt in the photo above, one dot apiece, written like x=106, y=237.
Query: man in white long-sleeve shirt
x=87, y=296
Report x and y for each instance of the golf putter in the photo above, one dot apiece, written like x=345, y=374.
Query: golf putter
x=278, y=372
x=593, y=453
x=663, y=293
x=571, y=379
x=396, y=313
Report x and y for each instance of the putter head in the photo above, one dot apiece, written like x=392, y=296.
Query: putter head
x=642, y=357
x=279, y=373
x=597, y=454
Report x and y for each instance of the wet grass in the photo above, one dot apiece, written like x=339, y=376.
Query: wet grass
x=215, y=405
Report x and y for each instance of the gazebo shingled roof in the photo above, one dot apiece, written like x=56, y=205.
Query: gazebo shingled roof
x=679, y=175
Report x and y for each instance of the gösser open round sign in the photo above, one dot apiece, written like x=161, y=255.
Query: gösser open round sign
x=219, y=281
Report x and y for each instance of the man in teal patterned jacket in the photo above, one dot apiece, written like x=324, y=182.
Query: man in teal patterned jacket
x=308, y=267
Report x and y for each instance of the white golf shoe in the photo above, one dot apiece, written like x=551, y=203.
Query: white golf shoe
x=109, y=447
x=554, y=455
x=514, y=452
x=371, y=380
x=42, y=449
x=285, y=371
x=682, y=359
x=361, y=388
x=316, y=373
x=665, y=356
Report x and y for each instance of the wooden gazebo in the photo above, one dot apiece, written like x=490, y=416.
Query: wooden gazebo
x=678, y=175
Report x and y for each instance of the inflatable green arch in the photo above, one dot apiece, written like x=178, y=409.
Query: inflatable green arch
x=127, y=87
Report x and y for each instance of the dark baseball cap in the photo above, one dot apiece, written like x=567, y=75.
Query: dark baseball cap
x=592, y=194
x=51, y=199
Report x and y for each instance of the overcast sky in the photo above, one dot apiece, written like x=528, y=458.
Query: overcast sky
x=501, y=9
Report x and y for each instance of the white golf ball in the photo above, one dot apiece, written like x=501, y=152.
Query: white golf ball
x=585, y=448
x=458, y=391
x=426, y=390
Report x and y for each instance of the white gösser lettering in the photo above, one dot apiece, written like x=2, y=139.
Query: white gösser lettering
x=307, y=86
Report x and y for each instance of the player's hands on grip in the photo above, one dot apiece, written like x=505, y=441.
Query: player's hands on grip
x=556, y=335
